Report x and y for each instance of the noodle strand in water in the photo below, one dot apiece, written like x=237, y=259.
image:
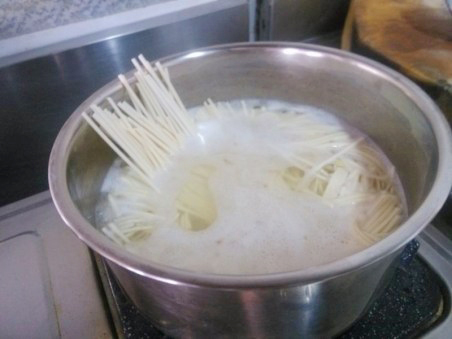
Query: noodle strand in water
x=238, y=187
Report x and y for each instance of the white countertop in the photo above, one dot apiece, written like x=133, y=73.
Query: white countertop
x=30, y=28
x=19, y=17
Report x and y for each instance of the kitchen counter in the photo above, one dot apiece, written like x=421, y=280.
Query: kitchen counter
x=25, y=16
x=30, y=29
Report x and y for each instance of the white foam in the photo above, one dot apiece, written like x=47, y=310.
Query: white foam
x=262, y=226
x=258, y=230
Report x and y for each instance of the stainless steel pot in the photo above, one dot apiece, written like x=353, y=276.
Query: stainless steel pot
x=319, y=301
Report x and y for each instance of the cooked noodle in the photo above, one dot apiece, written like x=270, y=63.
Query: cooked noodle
x=150, y=126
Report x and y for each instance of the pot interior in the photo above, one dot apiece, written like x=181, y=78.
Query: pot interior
x=359, y=94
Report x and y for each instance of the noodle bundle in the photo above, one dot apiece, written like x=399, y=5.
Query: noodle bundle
x=184, y=171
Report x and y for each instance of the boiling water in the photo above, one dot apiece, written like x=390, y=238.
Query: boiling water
x=260, y=224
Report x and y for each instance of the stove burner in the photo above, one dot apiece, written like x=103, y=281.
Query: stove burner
x=408, y=307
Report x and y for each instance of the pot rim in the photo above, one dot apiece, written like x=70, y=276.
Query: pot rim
x=146, y=268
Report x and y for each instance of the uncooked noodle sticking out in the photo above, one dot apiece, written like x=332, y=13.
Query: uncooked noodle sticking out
x=193, y=171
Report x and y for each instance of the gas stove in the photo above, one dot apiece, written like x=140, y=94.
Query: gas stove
x=53, y=286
